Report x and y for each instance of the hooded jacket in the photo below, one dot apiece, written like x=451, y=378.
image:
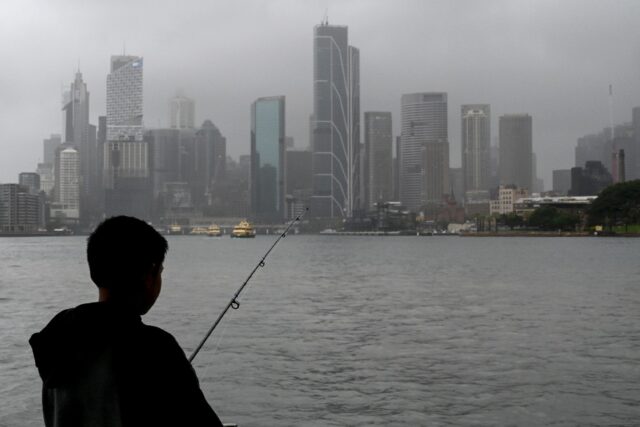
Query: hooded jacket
x=101, y=366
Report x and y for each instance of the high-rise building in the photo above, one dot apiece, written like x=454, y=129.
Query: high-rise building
x=335, y=123
x=30, y=181
x=49, y=148
x=182, y=112
x=20, y=211
x=378, y=143
x=267, y=158
x=124, y=99
x=562, y=181
x=81, y=135
x=424, y=162
x=75, y=105
x=476, y=150
x=47, y=178
x=590, y=180
x=67, y=184
x=212, y=158
x=126, y=176
x=516, y=150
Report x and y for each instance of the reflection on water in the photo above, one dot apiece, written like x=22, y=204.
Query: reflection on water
x=367, y=331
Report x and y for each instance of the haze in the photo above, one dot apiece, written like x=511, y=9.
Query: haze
x=553, y=60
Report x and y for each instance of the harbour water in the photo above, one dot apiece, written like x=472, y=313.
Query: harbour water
x=369, y=331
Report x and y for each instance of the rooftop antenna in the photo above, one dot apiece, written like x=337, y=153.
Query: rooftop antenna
x=325, y=18
x=124, y=49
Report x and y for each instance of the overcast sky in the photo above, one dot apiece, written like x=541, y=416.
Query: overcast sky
x=552, y=59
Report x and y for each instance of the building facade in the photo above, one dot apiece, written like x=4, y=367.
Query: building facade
x=66, y=204
x=507, y=197
x=267, y=159
x=126, y=176
x=476, y=146
x=562, y=181
x=20, y=211
x=182, y=112
x=516, y=150
x=378, y=165
x=424, y=151
x=335, y=124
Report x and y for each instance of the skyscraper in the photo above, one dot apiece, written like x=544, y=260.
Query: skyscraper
x=81, y=135
x=516, y=150
x=424, y=162
x=476, y=144
x=335, y=123
x=267, y=158
x=378, y=141
x=75, y=105
x=182, y=111
x=124, y=99
x=49, y=146
x=126, y=154
x=67, y=183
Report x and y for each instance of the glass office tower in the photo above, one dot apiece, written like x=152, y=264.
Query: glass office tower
x=267, y=159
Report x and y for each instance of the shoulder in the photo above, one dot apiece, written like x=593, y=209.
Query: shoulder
x=161, y=341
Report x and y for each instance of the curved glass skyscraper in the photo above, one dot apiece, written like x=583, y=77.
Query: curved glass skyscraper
x=335, y=125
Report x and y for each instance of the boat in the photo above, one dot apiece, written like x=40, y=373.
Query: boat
x=199, y=231
x=174, y=229
x=214, y=231
x=243, y=229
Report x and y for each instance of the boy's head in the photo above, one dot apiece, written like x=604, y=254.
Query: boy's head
x=122, y=252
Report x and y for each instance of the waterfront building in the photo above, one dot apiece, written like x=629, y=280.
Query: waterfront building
x=562, y=181
x=182, y=112
x=476, y=144
x=267, y=158
x=126, y=176
x=378, y=164
x=508, y=195
x=424, y=151
x=335, y=123
x=578, y=205
x=516, y=150
x=20, y=211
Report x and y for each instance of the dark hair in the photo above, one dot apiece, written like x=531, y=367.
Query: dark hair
x=121, y=250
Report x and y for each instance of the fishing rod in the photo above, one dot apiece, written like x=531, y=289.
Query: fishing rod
x=233, y=303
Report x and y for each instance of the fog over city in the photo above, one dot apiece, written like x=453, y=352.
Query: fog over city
x=554, y=60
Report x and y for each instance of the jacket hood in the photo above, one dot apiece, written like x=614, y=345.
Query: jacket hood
x=74, y=336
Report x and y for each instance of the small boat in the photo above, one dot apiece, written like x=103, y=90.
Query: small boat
x=244, y=229
x=214, y=231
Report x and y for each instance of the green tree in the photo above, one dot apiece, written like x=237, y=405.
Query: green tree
x=550, y=218
x=512, y=220
x=617, y=204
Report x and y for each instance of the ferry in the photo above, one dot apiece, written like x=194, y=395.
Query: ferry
x=198, y=231
x=244, y=229
x=174, y=229
x=214, y=231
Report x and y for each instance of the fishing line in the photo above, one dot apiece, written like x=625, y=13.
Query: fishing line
x=234, y=303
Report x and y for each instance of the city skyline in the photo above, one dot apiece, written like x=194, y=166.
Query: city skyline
x=527, y=64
